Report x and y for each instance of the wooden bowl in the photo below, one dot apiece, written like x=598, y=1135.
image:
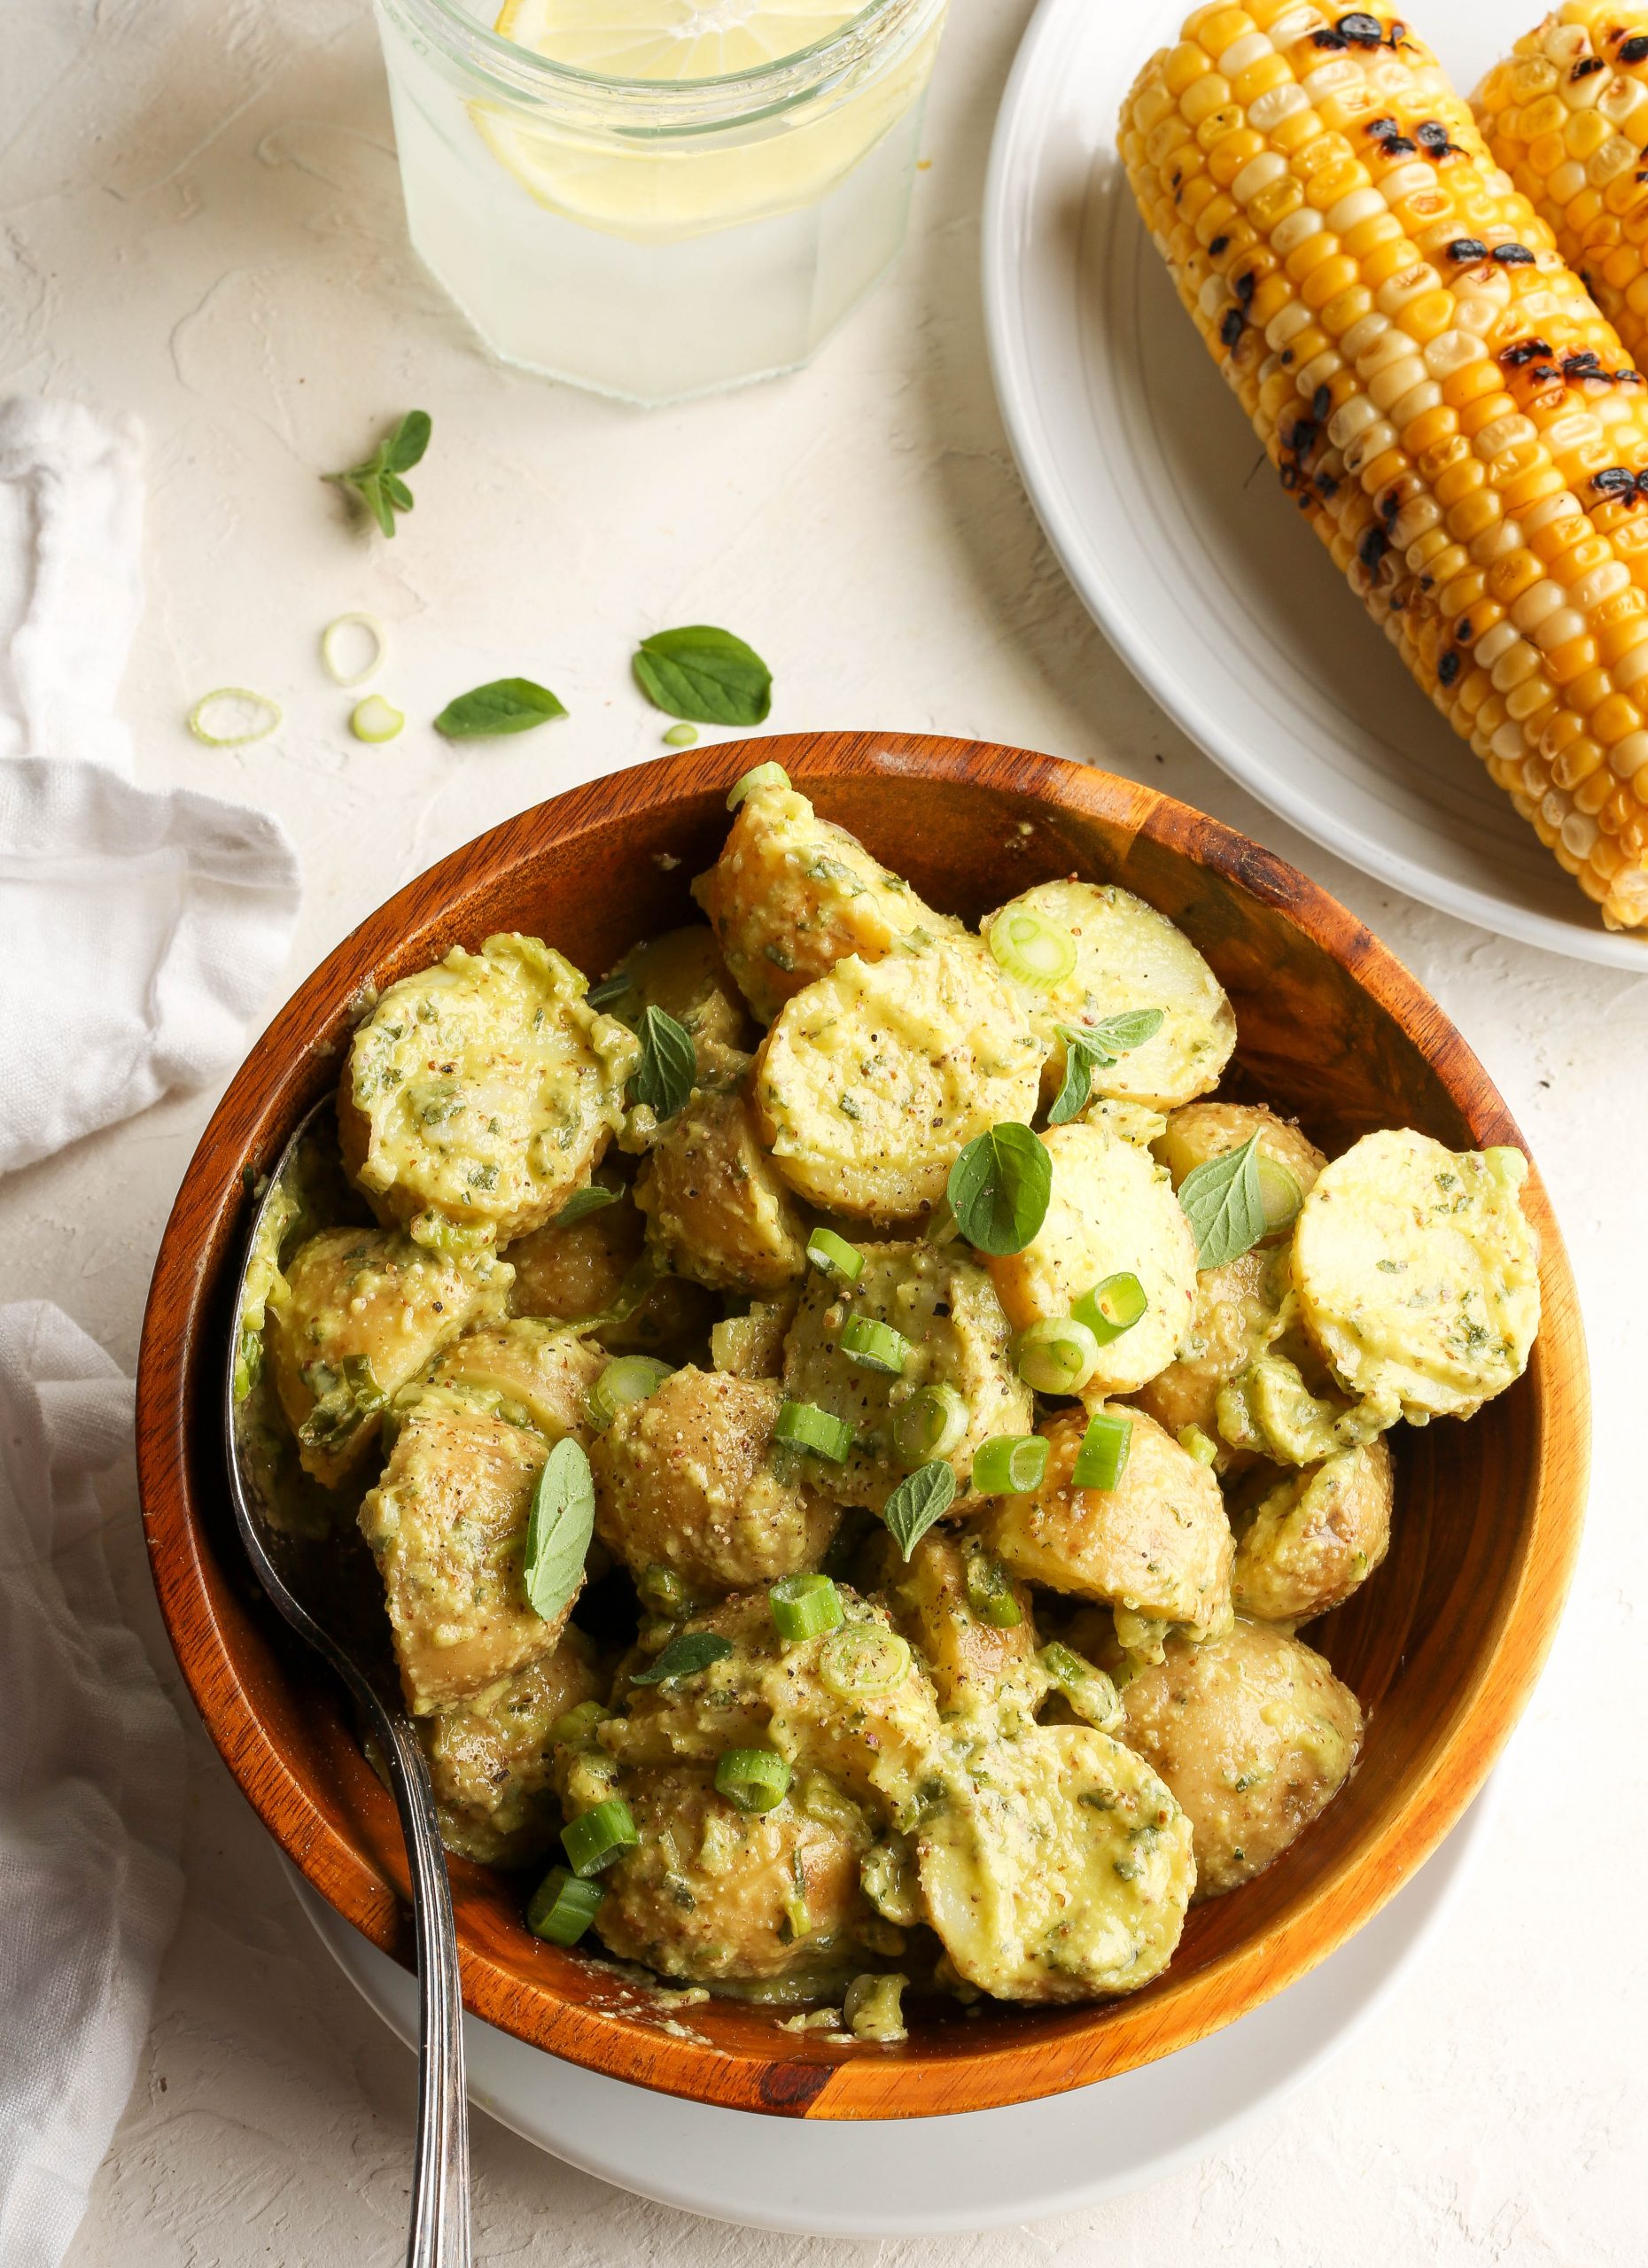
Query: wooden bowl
x=1443, y=1645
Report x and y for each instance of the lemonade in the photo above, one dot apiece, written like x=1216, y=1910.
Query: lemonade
x=655, y=198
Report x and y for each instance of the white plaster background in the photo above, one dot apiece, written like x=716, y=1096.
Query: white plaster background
x=199, y=224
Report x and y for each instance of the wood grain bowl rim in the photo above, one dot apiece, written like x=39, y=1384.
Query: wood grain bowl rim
x=288, y=1066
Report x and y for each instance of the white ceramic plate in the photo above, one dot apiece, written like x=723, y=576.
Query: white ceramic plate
x=923, y=2177
x=1173, y=529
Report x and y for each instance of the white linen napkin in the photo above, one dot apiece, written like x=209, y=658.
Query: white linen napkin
x=92, y=1776
x=140, y=929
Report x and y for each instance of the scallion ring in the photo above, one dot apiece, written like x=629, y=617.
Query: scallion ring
x=804, y=1606
x=579, y=1723
x=833, y=1255
x=1009, y=1464
x=931, y=1423
x=562, y=1907
x=375, y=719
x=874, y=1344
x=752, y=1779
x=1102, y=1458
x=265, y=716
x=663, y=1592
x=631, y=1378
x=331, y=656
x=804, y=1425
x=764, y=775
x=1056, y=1356
x=1112, y=1306
x=864, y=1659
x=1205, y=1450
x=1280, y=1194
x=989, y=1594
x=681, y=736
x=1032, y=949
x=594, y=1838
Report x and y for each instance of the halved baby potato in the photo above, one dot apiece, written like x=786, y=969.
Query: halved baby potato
x=1157, y=1545
x=1056, y=1866
x=875, y=1075
x=490, y=1757
x=1255, y=1735
x=1418, y=1274
x=792, y=894
x=357, y=1315
x=1310, y=1538
x=682, y=972
x=688, y=1480
x=1112, y=1211
x=531, y=1371
x=1124, y=956
x=479, y=1094
x=977, y=1667
x=1289, y=1162
x=1237, y=1313
x=717, y=1210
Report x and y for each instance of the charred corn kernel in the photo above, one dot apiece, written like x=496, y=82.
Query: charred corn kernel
x=1435, y=385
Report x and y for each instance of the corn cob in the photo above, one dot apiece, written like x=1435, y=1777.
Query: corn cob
x=1416, y=357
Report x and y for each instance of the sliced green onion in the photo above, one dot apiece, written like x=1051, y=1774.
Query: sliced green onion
x=681, y=736
x=663, y=1592
x=375, y=719
x=754, y=1779
x=874, y=1344
x=631, y=1378
x=1057, y=1356
x=989, y=1594
x=804, y=1425
x=1280, y=1194
x=1085, y=1686
x=594, y=1838
x=1112, y=1306
x=833, y=1255
x=266, y=717
x=332, y=659
x=864, y=1659
x=1102, y=1457
x=1192, y=1437
x=579, y=1723
x=765, y=775
x=804, y=1606
x=931, y=1423
x=563, y=1907
x=1032, y=948
x=1009, y=1464
x=942, y=1224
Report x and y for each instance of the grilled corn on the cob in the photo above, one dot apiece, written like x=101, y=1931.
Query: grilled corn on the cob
x=1417, y=360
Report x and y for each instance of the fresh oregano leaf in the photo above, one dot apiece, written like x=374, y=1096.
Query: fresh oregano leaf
x=685, y=1657
x=509, y=705
x=705, y=675
x=668, y=1069
x=378, y=481
x=610, y=991
x=920, y=1498
x=999, y=1189
x=593, y=1198
x=562, y=1521
x=1095, y=1047
x=1225, y=1205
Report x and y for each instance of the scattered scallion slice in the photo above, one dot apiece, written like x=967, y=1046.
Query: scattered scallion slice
x=752, y=1779
x=1102, y=1458
x=863, y=1659
x=1058, y=1355
x=375, y=719
x=833, y=1255
x=579, y=1723
x=1032, y=948
x=931, y=1423
x=594, y=1838
x=804, y=1606
x=681, y=735
x=663, y=1592
x=764, y=775
x=631, y=1378
x=331, y=643
x=874, y=1344
x=1280, y=1194
x=1112, y=1306
x=1090, y=1692
x=563, y=1907
x=1205, y=1450
x=1009, y=1464
x=989, y=1594
x=260, y=717
x=804, y=1425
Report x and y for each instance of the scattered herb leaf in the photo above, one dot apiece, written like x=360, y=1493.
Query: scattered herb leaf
x=1095, y=1047
x=558, y=1530
x=1225, y=1205
x=684, y=1656
x=509, y=705
x=594, y=1198
x=668, y=1068
x=920, y=1497
x=999, y=1188
x=377, y=482
x=705, y=675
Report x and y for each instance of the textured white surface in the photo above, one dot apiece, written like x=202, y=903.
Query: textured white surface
x=199, y=222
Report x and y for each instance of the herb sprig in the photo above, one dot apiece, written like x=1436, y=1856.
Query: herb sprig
x=1000, y=1189
x=509, y=705
x=684, y=1656
x=558, y=1529
x=705, y=675
x=377, y=482
x=1225, y=1205
x=1098, y=1047
x=668, y=1069
x=920, y=1498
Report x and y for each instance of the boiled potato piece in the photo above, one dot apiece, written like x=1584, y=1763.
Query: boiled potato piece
x=1311, y=1537
x=1418, y=1274
x=532, y=1372
x=875, y=1076
x=1157, y=1544
x=1113, y=1210
x=682, y=972
x=751, y=1345
x=791, y=894
x=688, y=1480
x=716, y=1209
x=947, y=1309
x=853, y=1704
x=1056, y=1867
x=448, y=1526
x=583, y=1269
x=975, y=1666
x=713, y=1894
x=357, y=1315
x=479, y=1094
x=490, y=1757
x=1255, y=1735
x=1128, y=956
x=1289, y=1160
x=1237, y=1313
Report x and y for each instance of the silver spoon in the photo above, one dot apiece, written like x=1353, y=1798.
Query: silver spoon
x=439, y=2233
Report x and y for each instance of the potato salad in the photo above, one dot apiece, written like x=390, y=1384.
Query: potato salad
x=856, y=1430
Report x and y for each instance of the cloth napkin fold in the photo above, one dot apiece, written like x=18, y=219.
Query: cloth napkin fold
x=141, y=929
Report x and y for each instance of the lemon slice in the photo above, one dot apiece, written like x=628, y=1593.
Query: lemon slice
x=668, y=39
